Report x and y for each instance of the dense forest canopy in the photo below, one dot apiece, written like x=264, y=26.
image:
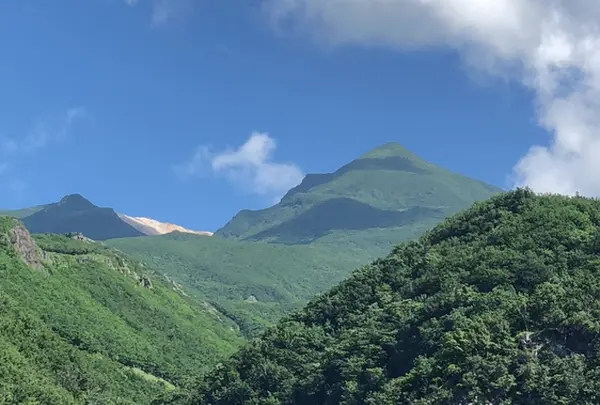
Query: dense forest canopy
x=497, y=305
x=83, y=324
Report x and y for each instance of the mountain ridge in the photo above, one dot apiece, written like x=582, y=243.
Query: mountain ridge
x=375, y=187
x=74, y=213
x=39, y=220
x=316, y=239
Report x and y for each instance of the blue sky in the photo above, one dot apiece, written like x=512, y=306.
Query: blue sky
x=143, y=106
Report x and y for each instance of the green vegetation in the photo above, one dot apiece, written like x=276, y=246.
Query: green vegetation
x=497, y=305
x=83, y=324
x=320, y=231
x=386, y=196
x=253, y=283
x=76, y=214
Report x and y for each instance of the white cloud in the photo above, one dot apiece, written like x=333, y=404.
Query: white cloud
x=249, y=166
x=197, y=165
x=551, y=47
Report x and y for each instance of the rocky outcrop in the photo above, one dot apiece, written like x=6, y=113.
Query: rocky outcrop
x=79, y=236
x=145, y=282
x=25, y=246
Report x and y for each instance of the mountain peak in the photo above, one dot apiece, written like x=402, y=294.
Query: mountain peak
x=74, y=213
x=388, y=188
x=390, y=149
x=76, y=201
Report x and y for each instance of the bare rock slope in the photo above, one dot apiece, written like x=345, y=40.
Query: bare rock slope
x=149, y=226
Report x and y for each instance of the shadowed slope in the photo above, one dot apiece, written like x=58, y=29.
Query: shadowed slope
x=76, y=214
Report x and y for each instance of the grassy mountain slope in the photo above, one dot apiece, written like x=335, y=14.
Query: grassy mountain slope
x=388, y=190
x=322, y=229
x=83, y=324
x=497, y=305
x=23, y=212
x=253, y=283
x=74, y=213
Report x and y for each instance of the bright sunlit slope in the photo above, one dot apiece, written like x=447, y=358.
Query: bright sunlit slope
x=83, y=324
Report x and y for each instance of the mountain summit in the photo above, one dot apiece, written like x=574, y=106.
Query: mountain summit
x=74, y=213
x=390, y=149
x=387, y=195
x=75, y=202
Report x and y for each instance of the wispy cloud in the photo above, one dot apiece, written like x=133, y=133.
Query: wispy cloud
x=250, y=166
x=44, y=131
x=165, y=11
x=551, y=47
x=50, y=129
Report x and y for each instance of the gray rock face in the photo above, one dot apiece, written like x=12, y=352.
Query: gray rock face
x=25, y=246
x=145, y=282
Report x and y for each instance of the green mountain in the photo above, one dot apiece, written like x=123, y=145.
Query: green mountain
x=497, y=305
x=321, y=230
x=381, y=198
x=253, y=283
x=74, y=213
x=81, y=323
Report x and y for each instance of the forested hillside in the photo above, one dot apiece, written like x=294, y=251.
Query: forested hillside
x=497, y=305
x=253, y=283
x=83, y=324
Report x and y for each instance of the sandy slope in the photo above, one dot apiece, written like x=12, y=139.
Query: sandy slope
x=149, y=226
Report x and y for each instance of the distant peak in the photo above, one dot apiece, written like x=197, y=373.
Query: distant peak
x=390, y=149
x=73, y=197
x=76, y=201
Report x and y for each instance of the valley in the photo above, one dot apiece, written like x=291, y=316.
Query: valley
x=216, y=291
x=305, y=292
x=300, y=202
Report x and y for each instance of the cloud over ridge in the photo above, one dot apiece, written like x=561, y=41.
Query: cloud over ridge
x=250, y=166
x=551, y=46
